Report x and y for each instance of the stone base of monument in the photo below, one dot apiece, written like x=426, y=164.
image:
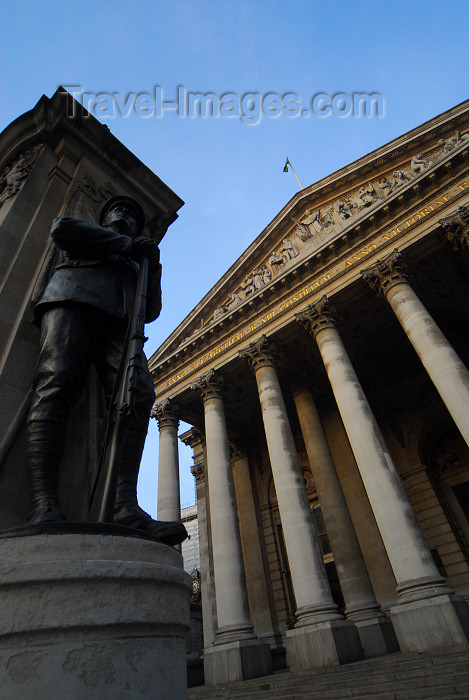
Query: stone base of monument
x=101, y=615
x=237, y=661
x=322, y=644
x=440, y=622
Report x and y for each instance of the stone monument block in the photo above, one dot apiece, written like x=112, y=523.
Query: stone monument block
x=92, y=615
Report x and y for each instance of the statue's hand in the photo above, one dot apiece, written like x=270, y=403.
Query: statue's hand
x=144, y=246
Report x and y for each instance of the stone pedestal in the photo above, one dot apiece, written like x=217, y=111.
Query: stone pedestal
x=324, y=644
x=377, y=635
x=237, y=661
x=439, y=622
x=92, y=615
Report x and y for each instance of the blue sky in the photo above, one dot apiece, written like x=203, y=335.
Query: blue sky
x=229, y=172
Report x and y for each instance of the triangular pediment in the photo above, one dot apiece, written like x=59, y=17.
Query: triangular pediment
x=335, y=209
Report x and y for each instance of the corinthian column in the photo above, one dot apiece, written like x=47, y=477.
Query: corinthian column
x=167, y=412
x=313, y=596
x=417, y=576
x=235, y=630
x=388, y=278
x=373, y=626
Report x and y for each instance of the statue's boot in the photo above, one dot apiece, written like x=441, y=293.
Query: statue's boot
x=167, y=531
x=127, y=511
x=44, y=451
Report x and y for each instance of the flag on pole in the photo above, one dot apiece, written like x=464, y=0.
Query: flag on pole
x=285, y=170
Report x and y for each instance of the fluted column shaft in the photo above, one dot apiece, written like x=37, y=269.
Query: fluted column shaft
x=312, y=592
x=410, y=558
x=355, y=583
x=231, y=599
x=169, y=507
x=446, y=370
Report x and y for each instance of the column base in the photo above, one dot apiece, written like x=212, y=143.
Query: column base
x=432, y=623
x=234, y=633
x=101, y=615
x=377, y=636
x=323, y=644
x=237, y=661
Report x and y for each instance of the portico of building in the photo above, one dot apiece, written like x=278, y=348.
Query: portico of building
x=330, y=423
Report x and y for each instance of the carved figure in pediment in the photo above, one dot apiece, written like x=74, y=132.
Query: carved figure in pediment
x=367, y=194
x=446, y=147
x=355, y=203
x=400, y=178
x=449, y=145
x=352, y=204
x=257, y=278
x=418, y=164
x=234, y=300
x=344, y=209
x=456, y=140
x=384, y=187
x=302, y=232
x=219, y=312
x=288, y=250
x=266, y=273
x=313, y=221
x=327, y=218
x=276, y=262
x=247, y=286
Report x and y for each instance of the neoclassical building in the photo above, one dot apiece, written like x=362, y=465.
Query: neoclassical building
x=325, y=379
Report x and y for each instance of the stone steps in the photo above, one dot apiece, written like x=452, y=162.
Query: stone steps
x=422, y=676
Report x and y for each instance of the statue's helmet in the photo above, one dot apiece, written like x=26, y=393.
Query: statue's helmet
x=127, y=203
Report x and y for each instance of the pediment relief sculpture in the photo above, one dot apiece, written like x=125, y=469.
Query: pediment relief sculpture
x=317, y=226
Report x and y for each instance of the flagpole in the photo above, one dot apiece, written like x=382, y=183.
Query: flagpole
x=294, y=172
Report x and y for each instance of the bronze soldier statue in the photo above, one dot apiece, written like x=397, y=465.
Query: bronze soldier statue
x=84, y=316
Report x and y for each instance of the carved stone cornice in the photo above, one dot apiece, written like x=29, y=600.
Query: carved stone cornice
x=209, y=386
x=198, y=471
x=261, y=353
x=319, y=316
x=167, y=413
x=386, y=273
x=456, y=228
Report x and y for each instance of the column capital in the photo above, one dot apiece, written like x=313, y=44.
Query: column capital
x=261, y=353
x=456, y=228
x=198, y=471
x=319, y=316
x=193, y=437
x=386, y=273
x=237, y=451
x=298, y=381
x=167, y=413
x=209, y=386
